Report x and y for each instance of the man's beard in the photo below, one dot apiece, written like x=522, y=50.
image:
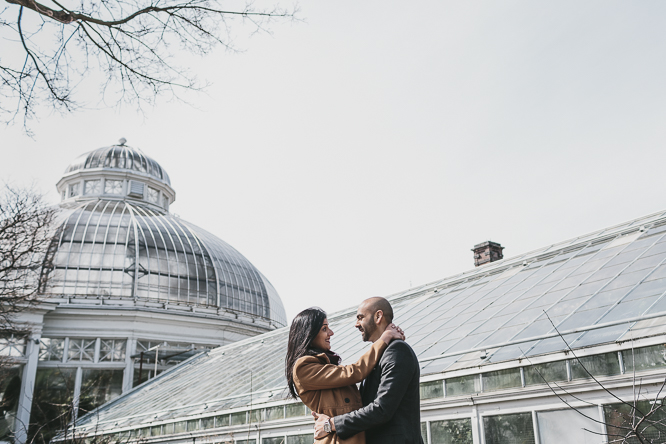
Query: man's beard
x=369, y=329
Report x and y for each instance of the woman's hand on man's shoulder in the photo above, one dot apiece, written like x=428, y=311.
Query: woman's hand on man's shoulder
x=392, y=332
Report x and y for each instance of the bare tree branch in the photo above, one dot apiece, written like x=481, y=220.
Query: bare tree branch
x=25, y=224
x=130, y=45
x=640, y=422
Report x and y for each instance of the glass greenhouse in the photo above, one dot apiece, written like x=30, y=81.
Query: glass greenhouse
x=133, y=291
x=540, y=348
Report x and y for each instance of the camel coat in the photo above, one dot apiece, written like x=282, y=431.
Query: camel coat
x=331, y=389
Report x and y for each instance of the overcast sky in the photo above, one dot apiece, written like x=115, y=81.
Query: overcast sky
x=368, y=148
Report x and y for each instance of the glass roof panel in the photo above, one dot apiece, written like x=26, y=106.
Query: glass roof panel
x=550, y=345
x=601, y=335
x=510, y=352
x=629, y=309
x=438, y=365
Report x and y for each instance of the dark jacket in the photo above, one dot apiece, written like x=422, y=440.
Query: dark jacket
x=391, y=398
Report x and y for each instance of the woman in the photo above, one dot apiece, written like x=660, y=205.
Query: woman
x=314, y=374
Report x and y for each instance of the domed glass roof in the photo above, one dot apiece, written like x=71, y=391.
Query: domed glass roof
x=117, y=249
x=119, y=157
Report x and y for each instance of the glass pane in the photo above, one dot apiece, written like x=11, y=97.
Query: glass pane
x=99, y=387
x=54, y=391
x=547, y=372
x=113, y=186
x=92, y=187
x=180, y=427
x=275, y=440
x=192, y=425
x=273, y=413
x=208, y=423
x=509, y=429
x=10, y=391
x=463, y=385
x=112, y=350
x=12, y=346
x=454, y=431
x=255, y=416
x=246, y=441
x=153, y=195
x=645, y=358
x=619, y=417
x=51, y=349
x=501, y=379
x=300, y=439
x=569, y=426
x=293, y=410
x=424, y=432
x=222, y=421
x=597, y=365
x=238, y=418
x=433, y=389
x=81, y=350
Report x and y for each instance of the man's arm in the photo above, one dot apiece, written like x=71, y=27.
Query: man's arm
x=397, y=371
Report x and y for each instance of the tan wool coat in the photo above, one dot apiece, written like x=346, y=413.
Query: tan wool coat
x=331, y=389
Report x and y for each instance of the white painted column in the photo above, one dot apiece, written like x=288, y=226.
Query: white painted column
x=604, y=427
x=27, y=390
x=477, y=435
x=65, y=350
x=535, y=425
x=98, y=344
x=128, y=374
x=77, y=393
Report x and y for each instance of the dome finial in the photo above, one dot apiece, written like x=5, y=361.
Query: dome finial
x=122, y=141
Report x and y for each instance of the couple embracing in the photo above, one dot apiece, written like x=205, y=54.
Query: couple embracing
x=386, y=410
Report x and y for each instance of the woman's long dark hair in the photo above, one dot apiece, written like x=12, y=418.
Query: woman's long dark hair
x=304, y=328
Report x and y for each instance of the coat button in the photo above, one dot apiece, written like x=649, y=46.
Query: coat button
x=347, y=400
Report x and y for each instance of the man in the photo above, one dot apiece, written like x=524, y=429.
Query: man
x=391, y=412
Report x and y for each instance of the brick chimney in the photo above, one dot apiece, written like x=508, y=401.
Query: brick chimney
x=487, y=252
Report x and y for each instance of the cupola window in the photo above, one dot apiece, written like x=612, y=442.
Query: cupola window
x=153, y=195
x=113, y=186
x=92, y=187
x=74, y=190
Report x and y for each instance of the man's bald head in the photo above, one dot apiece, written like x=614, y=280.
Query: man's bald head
x=378, y=303
x=372, y=317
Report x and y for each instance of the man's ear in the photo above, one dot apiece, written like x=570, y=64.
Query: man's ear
x=379, y=315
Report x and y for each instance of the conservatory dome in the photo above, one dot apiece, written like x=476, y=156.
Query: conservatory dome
x=116, y=241
x=119, y=157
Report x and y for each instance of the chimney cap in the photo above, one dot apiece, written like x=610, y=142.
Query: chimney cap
x=488, y=244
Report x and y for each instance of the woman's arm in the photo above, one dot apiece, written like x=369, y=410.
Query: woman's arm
x=311, y=374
